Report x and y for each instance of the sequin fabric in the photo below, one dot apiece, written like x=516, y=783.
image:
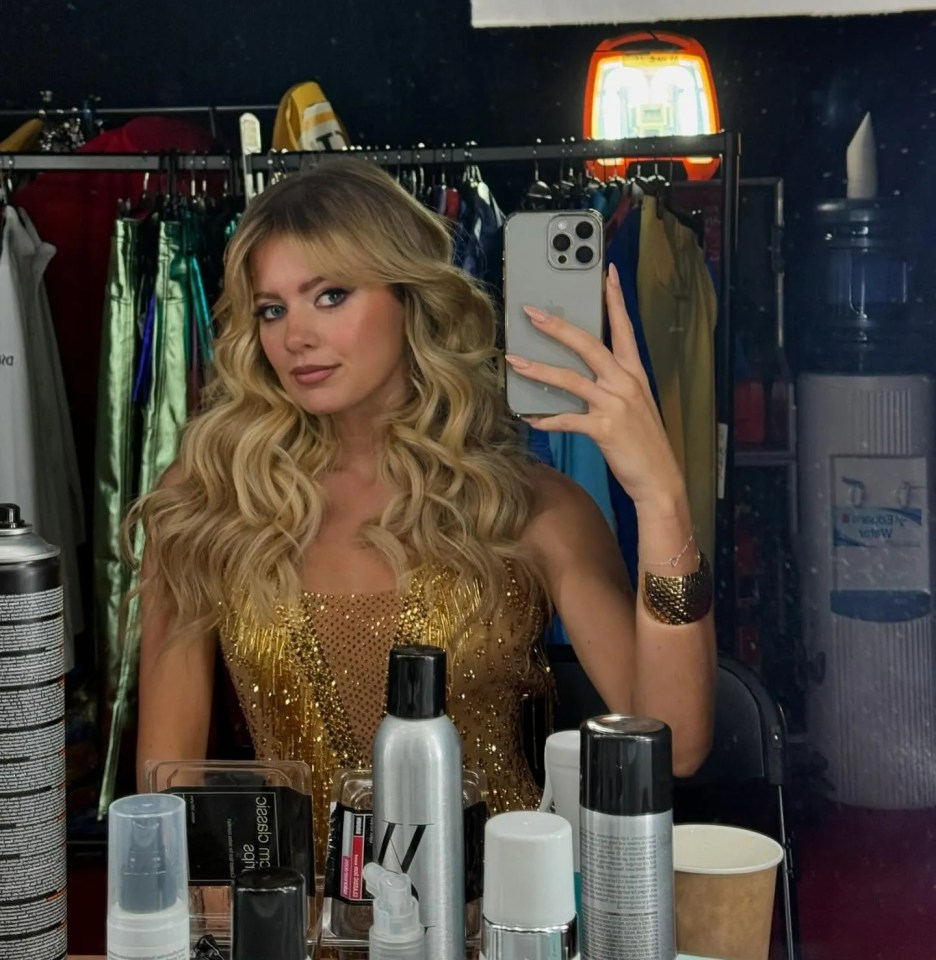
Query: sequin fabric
x=313, y=685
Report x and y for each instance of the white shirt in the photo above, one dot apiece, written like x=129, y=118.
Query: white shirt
x=38, y=464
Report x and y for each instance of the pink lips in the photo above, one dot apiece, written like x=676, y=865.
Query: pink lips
x=312, y=374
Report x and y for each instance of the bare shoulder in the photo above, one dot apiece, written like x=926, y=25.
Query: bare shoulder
x=172, y=477
x=563, y=513
x=553, y=490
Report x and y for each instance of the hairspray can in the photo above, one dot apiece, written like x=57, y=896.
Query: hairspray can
x=626, y=839
x=32, y=744
x=418, y=810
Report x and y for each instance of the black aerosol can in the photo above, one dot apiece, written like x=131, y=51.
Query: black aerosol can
x=32, y=744
x=626, y=839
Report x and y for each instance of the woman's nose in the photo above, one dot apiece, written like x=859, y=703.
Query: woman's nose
x=300, y=331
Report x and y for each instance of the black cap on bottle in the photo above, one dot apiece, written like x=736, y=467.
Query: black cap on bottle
x=10, y=517
x=147, y=884
x=269, y=915
x=626, y=766
x=416, y=682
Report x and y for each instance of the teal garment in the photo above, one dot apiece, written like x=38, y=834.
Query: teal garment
x=163, y=417
x=578, y=457
x=199, y=333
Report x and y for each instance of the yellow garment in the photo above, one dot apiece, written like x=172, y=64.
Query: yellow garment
x=25, y=137
x=305, y=120
x=313, y=685
x=679, y=309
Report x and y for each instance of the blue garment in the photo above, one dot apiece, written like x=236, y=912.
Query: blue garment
x=599, y=203
x=488, y=229
x=144, y=377
x=479, y=235
x=538, y=445
x=624, y=252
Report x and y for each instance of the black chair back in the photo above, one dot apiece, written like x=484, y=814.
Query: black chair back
x=749, y=741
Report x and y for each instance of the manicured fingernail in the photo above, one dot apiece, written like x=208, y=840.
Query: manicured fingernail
x=520, y=363
x=613, y=274
x=536, y=315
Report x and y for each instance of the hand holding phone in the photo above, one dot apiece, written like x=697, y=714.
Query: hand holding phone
x=553, y=260
x=615, y=408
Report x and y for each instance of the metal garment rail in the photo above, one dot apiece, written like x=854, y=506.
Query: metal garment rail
x=726, y=145
x=90, y=111
x=50, y=112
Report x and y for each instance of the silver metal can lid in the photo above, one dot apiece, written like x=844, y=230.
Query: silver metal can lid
x=18, y=542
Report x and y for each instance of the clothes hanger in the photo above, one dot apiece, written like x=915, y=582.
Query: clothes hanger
x=653, y=186
x=563, y=188
x=590, y=183
x=467, y=185
x=539, y=194
x=251, y=143
x=7, y=189
x=175, y=201
x=425, y=189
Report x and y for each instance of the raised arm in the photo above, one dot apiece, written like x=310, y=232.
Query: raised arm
x=663, y=664
x=637, y=664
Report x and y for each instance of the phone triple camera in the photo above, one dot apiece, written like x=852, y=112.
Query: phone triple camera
x=572, y=241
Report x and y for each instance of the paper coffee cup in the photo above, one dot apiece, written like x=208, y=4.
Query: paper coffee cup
x=725, y=883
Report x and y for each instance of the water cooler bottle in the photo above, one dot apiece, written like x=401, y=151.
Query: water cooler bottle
x=867, y=408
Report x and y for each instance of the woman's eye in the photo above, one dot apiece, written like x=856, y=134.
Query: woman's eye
x=331, y=298
x=270, y=311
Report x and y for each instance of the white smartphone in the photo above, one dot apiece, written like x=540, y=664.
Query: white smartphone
x=554, y=260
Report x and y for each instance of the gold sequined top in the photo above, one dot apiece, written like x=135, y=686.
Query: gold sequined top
x=313, y=685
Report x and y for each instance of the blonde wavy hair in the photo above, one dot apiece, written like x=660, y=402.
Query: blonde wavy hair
x=245, y=497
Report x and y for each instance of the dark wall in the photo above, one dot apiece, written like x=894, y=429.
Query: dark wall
x=795, y=87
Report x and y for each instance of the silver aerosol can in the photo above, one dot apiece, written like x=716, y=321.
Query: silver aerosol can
x=32, y=744
x=626, y=839
x=418, y=813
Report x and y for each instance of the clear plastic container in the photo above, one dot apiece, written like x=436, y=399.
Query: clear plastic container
x=347, y=910
x=242, y=815
x=147, y=879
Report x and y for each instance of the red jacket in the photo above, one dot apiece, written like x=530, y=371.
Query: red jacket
x=76, y=213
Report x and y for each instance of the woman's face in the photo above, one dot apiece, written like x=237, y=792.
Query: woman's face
x=337, y=351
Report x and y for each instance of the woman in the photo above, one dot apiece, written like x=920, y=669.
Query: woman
x=355, y=480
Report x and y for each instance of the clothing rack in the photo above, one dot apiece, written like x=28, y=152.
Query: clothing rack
x=725, y=145
x=90, y=110
x=50, y=111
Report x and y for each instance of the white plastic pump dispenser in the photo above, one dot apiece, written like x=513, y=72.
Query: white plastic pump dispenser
x=396, y=933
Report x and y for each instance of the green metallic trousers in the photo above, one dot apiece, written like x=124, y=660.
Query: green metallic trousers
x=156, y=327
